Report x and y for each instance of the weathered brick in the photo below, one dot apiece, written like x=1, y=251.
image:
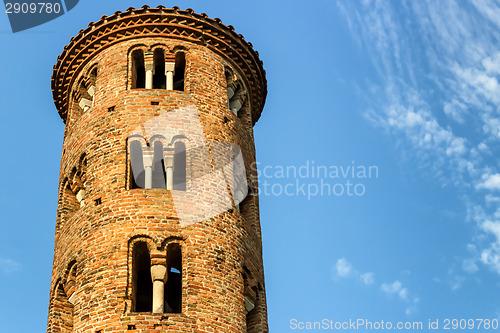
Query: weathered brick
x=221, y=255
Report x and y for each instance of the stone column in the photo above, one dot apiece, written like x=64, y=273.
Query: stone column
x=149, y=66
x=169, y=73
x=159, y=277
x=236, y=103
x=231, y=89
x=169, y=170
x=148, y=169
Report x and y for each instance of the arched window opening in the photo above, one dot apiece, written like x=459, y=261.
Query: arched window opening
x=76, y=111
x=79, y=180
x=250, y=306
x=142, y=285
x=251, y=299
x=70, y=203
x=239, y=184
x=179, y=166
x=73, y=192
x=159, y=174
x=70, y=285
x=237, y=102
x=137, y=179
x=173, y=287
x=92, y=79
x=62, y=312
x=93, y=76
x=138, y=70
x=236, y=96
x=230, y=83
x=159, y=78
x=180, y=68
x=85, y=101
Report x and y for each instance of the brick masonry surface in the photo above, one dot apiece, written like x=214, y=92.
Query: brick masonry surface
x=100, y=216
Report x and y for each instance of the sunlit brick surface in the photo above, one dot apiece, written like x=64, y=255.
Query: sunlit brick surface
x=100, y=216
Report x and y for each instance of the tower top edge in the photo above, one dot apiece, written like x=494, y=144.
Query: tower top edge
x=169, y=23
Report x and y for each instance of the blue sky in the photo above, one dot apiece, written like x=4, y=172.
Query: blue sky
x=409, y=87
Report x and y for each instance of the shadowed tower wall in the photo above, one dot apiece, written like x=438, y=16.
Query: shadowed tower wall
x=158, y=221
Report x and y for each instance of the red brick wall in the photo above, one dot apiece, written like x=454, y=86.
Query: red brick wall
x=99, y=236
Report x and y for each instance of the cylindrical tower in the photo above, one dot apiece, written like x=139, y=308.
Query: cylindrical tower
x=158, y=223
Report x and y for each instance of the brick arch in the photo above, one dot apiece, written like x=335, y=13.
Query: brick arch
x=161, y=46
x=158, y=137
x=142, y=236
x=180, y=48
x=173, y=238
x=137, y=137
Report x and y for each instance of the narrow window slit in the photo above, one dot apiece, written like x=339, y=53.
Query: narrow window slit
x=173, y=287
x=159, y=78
x=138, y=70
x=141, y=279
x=158, y=166
x=137, y=179
x=180, y=68
x=179, y=176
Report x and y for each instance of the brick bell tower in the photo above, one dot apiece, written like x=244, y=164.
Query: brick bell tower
x=158, y=224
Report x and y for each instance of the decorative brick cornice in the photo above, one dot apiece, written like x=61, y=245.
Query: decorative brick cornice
x=170, y=23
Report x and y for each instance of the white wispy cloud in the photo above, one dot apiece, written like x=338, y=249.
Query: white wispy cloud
x=456, y=282
x=469, y=265
x=490, y=182
x=455, y=110
x=367, y=278
x=344, y=269
x=491, y=255
x=418, y=54
x=396, y=288
x=8, y=265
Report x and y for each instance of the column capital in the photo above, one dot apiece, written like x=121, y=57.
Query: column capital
x=231, y=89
x=147, y=158
x=149, y=61
x=91, y=91
x=169, y=67
x=85, y=104
x=159, y=273
x=169, y=161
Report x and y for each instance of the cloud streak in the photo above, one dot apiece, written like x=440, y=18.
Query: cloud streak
x=418, y=55
x=344, y=269
x=8, y=266
x=396, y=288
